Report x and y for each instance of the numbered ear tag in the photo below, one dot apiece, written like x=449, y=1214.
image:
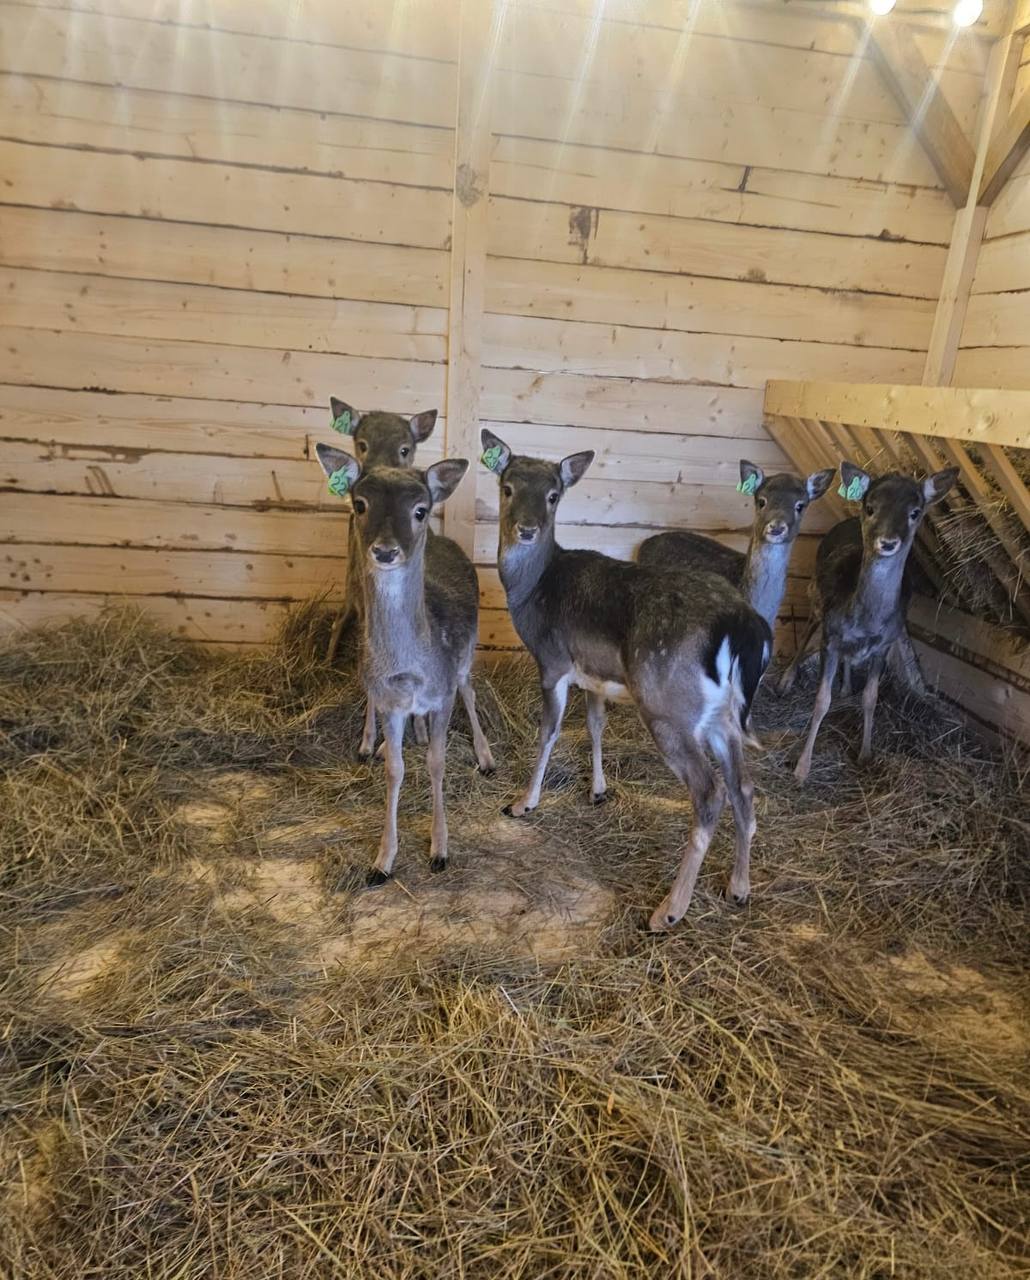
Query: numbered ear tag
x=749, y=485
x=491, y=458
x=853, y=493
x=339, y=483
x=342, y=423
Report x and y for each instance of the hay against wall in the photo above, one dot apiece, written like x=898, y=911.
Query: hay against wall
x=222, y=1059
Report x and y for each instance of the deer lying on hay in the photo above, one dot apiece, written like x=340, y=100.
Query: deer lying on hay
x=380, y=440
x=861, y=587
x=687, y=648
x=421, y=609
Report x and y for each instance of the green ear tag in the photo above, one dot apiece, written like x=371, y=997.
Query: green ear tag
x=339, y=483
x=853, y=493
x=491, y=457
x=342, y=423
x=749, y=485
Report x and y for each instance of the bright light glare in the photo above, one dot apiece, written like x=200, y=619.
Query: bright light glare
x=966, y=12
x=881, y=7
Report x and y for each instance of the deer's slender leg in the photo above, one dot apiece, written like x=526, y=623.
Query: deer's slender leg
x=741, y=796
x=484, y=756
x=393, y=729
x=869, y=696
x=437, y=755
x=687, y=761
x=822, y=704
x=551, y=712
x=418, y=727
x=905, y=664
x=595, y=724
x=368, y=732
x=342, y=618
x=790, y=673
x=845, y=678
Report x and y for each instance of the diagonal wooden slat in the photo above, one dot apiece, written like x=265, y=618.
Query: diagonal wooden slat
x=1007, y=149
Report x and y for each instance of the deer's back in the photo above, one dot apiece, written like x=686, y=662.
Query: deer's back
x=838, y=563
x=680, y=549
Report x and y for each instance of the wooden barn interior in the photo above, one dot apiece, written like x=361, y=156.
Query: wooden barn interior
x=679, y=233
x=665, y=231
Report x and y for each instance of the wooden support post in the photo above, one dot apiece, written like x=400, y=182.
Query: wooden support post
x=909, y=78
x=1007, y=149
x=472, y=144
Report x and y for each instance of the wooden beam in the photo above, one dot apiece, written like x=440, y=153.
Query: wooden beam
x=1007, y=149
x=980, y=416
x=910, y=80
x=472, y=142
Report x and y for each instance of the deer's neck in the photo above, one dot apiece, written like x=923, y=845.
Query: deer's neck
x=521, y=566
x=765, y=576
x=878, y=590
x=396, y=618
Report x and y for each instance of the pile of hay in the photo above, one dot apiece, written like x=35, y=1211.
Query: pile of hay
x=223, y=1057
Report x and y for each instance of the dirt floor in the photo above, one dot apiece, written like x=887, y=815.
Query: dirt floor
x=223, y=1056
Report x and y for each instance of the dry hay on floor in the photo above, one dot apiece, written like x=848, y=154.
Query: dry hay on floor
x=224, y=1057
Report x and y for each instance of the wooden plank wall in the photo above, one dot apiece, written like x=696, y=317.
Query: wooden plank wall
x=995, y=346
x=214, y=215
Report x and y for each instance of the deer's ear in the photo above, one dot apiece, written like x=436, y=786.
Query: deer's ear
x=854, y=482
x=345, y=419
x=342, y=469
x=751, y=477
x=819, y=481
x=573, y=468
x=422, y=425
x=443, y=478
x=496, y=455
x=937, y=485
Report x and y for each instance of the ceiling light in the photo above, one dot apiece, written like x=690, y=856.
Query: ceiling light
x=881, y=7
x=966, y=12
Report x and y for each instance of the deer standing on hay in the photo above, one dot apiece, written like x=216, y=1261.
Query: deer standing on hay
x=862, y=590
x=380, y=440
x=421, y=609
x=686, y=648
x=761, y=574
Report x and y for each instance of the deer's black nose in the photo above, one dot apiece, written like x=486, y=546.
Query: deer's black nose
x=887, y=546
x=527, y=532
x=385, y=555
x=777, y=529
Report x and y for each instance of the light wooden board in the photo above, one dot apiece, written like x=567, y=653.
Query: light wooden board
x=195, y=313
x=556, y=346
x=224, y=195
x=1004, y=264
x=1007, y=367
x=68, y=113
x=244, y=68
x=998, y=319
x=266, y=262
x=976, y=415
x=606, y=238
x=560, y=291
x=135, y=571
x=603, y=178
x=41, y=358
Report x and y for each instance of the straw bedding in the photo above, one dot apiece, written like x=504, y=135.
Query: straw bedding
x=223, y=1057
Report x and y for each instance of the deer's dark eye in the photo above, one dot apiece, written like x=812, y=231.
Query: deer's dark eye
x=799, y=507
x=405, y=451
x=362, y=447
x=761, y=503
x=421, y=513
x=360, y=506
x=868, y=509
x=507, y=490
x=914, y=514
x=552, y=498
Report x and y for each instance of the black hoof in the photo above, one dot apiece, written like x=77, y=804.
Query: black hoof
x=437, y=865
x=364, y=756
x=507, y=811
x=375, y=878
x=487, y=773
x=599, y=798
x=738, y=901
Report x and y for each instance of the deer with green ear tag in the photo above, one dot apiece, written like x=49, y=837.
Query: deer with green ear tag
x=421, y=607
x=379, y=440
x=862, y=593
